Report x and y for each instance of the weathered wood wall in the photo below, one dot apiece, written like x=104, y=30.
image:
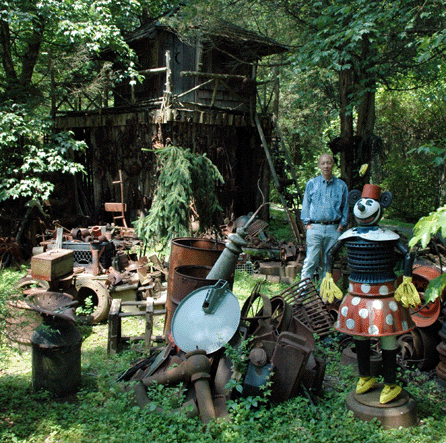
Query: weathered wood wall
x=121, y=142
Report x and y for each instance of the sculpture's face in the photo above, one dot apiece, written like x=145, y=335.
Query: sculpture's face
x=367, y=211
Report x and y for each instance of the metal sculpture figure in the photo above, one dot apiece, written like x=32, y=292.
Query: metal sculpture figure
x=372, y=306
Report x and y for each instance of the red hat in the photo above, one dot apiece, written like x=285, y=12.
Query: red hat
x=371, y=191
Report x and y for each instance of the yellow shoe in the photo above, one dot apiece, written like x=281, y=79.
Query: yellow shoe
x=365, y=384
x=389, y=393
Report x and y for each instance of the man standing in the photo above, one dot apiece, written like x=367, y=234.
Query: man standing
x=324, y=214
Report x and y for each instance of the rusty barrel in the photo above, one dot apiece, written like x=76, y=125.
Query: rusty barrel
x=193, y=252
x=187, y=279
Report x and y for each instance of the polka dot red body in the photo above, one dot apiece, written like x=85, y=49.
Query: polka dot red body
x=370, y=310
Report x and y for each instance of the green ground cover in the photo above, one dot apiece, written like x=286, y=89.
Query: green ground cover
x=100, y=412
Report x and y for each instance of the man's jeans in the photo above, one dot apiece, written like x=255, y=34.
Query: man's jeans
x=320, y=239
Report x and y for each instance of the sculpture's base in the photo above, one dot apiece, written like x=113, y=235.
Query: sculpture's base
x=401, y=412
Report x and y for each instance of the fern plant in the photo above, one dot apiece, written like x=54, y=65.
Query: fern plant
x=186, y=189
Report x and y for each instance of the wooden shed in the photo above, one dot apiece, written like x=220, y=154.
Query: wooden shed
x=197, y=93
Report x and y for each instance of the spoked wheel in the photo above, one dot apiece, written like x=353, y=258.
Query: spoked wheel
x=259, y=308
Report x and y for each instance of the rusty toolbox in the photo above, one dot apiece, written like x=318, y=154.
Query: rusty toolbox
x=52, y=264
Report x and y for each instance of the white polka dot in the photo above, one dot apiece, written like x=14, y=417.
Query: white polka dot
x=365, y=288
x=355, y=301
x=344, y=311
x=404, y=325
x=350, y=323
x=389, y=319
x=350, y=288
x=377, y=304
x=383, y=290
x=373, y=330
x=393, y=306
x=363, y=313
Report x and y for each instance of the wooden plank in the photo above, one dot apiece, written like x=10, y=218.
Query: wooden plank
x=115, y=207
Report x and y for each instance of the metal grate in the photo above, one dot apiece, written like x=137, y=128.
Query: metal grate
x=82, y=257
x=82, y=253
x=247, y=267
x=309, y=307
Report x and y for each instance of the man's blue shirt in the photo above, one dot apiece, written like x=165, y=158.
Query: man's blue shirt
x=325, y=201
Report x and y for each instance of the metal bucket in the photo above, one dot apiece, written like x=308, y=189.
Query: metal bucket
x=189, y=251
x=56, y=358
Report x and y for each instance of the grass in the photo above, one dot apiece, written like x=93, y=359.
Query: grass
x=100, y=412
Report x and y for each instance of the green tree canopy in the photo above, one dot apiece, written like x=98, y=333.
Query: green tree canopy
x=365, y=44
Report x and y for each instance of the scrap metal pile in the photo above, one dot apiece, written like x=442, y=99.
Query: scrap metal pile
x=212, y=348
x=281, y=350
x=278, y=331
x=92, y=266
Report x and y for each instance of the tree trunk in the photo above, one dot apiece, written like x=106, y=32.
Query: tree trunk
x=346, y=118
x=5, y=42
x=32, y=54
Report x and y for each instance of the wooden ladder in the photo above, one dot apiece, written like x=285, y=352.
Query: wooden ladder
x=296, y=225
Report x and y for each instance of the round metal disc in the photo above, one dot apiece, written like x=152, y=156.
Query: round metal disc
x=193, y=328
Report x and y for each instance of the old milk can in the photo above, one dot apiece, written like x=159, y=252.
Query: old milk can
x=56, y=345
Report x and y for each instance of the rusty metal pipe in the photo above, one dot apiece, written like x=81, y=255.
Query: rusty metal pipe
x=204, y=396
x=196, y=362
x=95, y=261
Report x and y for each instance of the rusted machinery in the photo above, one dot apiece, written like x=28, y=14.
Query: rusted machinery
x=209, y=319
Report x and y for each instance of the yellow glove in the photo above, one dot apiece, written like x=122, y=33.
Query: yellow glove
x=363, y=169
x=329, y=290
x=407, y=293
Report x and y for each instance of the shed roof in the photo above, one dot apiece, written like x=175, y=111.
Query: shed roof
x=220, y=31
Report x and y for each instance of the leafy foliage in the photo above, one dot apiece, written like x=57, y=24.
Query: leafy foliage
x=29, y=157
x=427, y=227
x=433, y=225
x=186, y=188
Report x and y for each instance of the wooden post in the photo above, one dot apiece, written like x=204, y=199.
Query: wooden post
x=149, y=324
x=114, y=328
x=168, y=73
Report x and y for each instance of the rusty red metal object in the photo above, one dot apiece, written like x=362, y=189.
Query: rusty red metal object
x=53, y=304
x=189, y=251
x=427, y=313
x=308, y=306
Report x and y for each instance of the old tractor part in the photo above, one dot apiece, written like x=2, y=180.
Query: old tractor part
x=308, y=306
x=29, y=284
x=257, y=310
x=290, y=252
x=93, y=293
x=258, y=373
x=206, y=319
x=195, y=369
x=56, y=345
x=289, y=360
